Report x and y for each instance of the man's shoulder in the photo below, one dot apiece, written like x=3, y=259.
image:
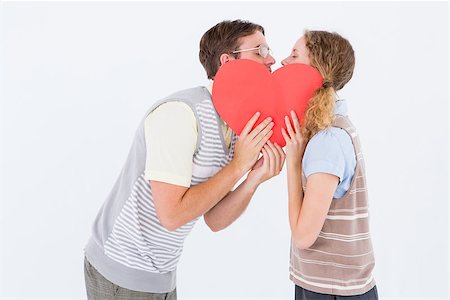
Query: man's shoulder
x=179, y=103
x=191, y=95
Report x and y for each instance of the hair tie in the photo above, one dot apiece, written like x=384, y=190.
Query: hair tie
x=326, y=84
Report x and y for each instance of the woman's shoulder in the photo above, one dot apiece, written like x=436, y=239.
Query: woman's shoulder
x=332, y=141
x=331, y=135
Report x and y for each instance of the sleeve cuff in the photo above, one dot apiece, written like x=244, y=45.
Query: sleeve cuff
x=167, y=178
x=322, y=166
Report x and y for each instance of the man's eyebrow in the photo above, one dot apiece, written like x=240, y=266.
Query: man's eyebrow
x=294, y=50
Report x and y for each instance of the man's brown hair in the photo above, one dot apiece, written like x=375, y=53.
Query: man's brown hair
x=223, y=38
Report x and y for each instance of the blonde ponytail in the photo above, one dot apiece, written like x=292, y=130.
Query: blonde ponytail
x=333, y=57
x=319, y=113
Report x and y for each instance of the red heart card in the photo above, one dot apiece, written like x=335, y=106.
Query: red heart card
x=242, y=87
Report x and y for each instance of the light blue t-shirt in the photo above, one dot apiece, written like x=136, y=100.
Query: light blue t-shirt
x=331, y=151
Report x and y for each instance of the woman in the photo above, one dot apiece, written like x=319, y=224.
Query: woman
x=331, y=251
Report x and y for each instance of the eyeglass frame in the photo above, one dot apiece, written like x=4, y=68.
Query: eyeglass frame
x=259, y=48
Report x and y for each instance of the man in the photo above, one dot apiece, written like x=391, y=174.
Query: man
x=183, y=163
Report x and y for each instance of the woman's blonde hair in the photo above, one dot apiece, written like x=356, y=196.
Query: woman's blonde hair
x=333, y=56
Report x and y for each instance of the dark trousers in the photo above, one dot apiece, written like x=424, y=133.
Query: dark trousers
x=302, y=294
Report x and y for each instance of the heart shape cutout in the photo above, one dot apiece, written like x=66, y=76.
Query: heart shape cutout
x=242, y=87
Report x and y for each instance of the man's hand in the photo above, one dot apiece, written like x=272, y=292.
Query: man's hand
x=250, y=143
x=269, y=165
x=177, y=205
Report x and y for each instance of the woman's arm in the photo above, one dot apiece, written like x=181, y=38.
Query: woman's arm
x=313, y=210
x=307, y=212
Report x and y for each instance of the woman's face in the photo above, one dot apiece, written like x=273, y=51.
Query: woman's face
x=299, y=54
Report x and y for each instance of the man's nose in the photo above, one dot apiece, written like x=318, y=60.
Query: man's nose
x=269, y=60
x=283, y=62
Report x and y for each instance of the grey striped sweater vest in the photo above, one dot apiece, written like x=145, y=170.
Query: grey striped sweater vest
x=128, y=245
x=341, y=260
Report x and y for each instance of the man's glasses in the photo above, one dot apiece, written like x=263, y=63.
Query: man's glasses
x=263, y=50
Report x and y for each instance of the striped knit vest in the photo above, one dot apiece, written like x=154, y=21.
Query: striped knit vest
x=129, y=246
x=341, y=260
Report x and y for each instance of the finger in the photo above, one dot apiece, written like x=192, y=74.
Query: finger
x=261, y=135
x=261, y=127
x=282, y=156
x=286, y=137
x=296, y=121
x=271, y=159
x=289, y=127
x=280, y=150
x=266, y=162
x=276, y=156
x=261, y=139
x=248, y=127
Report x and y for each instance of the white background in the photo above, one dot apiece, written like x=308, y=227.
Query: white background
x=76, y=78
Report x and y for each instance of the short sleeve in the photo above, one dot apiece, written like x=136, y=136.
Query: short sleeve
x=323, y=154
x=171, y=137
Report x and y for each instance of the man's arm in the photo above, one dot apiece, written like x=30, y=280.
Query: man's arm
x=177, y=205
x=233, y=205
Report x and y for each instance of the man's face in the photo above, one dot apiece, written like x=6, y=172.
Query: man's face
x=253, y=41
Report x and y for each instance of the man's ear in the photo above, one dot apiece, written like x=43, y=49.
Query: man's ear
x=224, y=58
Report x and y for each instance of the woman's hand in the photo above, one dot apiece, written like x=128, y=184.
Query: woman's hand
x=295, y=144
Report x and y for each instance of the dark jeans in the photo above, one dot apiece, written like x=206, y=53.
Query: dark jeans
x=100, y=288
x=302, y=294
